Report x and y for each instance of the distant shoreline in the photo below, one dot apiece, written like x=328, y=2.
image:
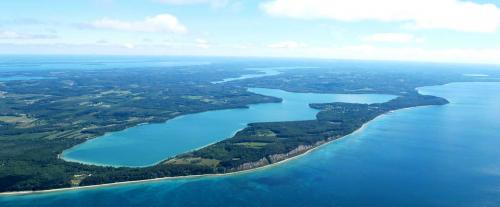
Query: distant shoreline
x=20, y=193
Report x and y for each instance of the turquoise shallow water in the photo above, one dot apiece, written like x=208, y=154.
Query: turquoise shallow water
x=148, y=144
x=428, y=156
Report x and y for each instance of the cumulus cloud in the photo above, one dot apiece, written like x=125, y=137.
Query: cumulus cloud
x=24, y=36
x=421, y=14
x=158, y=23
x=392, y=38
x=287, y=45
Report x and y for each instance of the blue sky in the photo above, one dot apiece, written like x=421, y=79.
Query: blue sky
x=425, y=30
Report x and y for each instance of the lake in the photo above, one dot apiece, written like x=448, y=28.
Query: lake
x=149, y=144
x=427, y=156
x=263, y=72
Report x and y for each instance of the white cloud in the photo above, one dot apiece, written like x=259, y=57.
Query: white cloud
x=202, y=43
x=10, y=35
x=287, y=45
x=24, y=36
x=392, y=38
x=421, y=14
x=129, y=45
x=459, y=55
x=158, y=23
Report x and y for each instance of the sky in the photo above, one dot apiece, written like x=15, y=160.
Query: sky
x=423, y=30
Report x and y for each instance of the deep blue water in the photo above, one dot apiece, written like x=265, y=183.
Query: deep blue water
x=148, y=144
x=15, y=78
x=51, y=62
x=427, y=156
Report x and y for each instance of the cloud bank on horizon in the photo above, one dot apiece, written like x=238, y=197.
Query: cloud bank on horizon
x=424, y=30
x=421, y=14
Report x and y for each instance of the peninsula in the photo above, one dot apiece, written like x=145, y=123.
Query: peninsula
x=42, y=117
x=262, y=144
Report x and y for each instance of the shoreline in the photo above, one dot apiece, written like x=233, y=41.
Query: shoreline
x=21, y=193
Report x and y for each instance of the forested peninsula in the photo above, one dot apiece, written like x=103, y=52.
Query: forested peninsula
x=262, y=144
x=42, y=117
